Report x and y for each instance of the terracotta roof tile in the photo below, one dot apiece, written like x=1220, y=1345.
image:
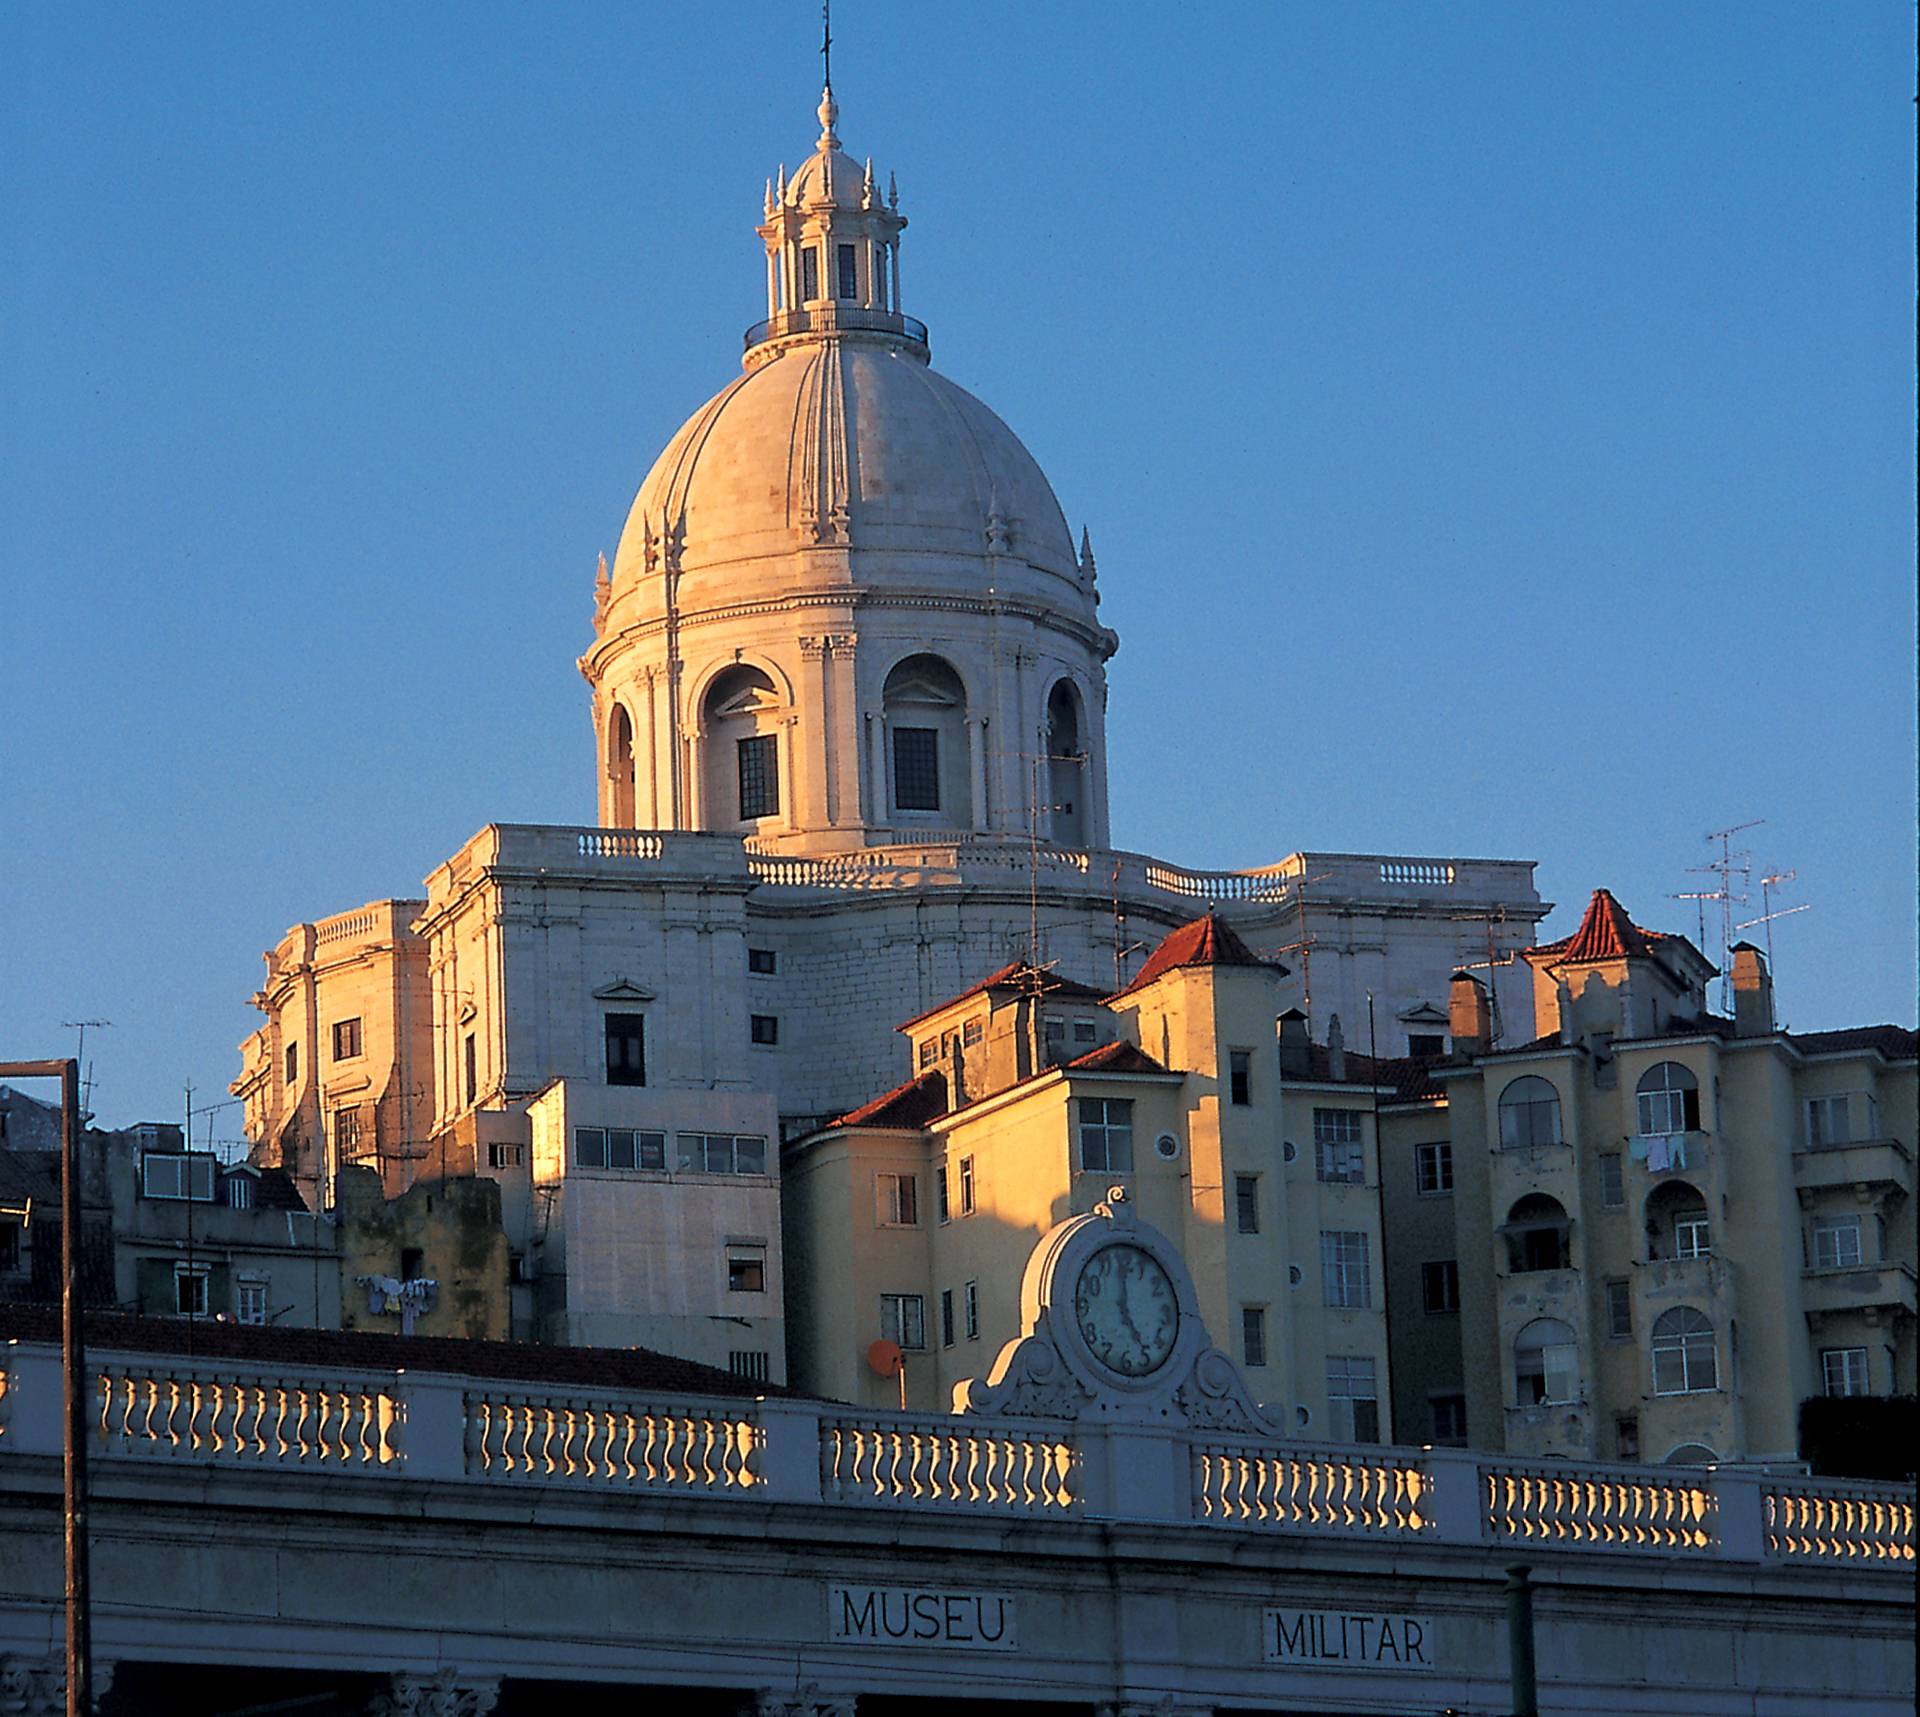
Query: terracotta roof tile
x=1208, y=941
x=635, y=1369
x=1015, y=975
x=922, y=1099
x=1120, y=1057
x=1895, y=1042
x=1410, y=1076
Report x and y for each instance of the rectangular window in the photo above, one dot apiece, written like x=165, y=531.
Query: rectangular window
x=746, y=1270
x=880, y=275
x=250, y=1302
x=1433, y=1168
x=764, y=1029
x=716, y=1153
x=1106, y=1135
x=1449, y=1421
x=9, y=1247
x=759, y=777
x=762, y=962
x=472, y=1053
x=1338, y=1155
x=1667, y=1111
x=929, y=1052
x=966, y=1186
x=809, y=274
x=849, y=272
x=1352, y=1401
x=903, y=1320
x=970, y=1300
x=1843, y=1371
x=1440, y=1285
x=346, y=1039
x=293, y=1064
x=1240, y=1077
x=189, y=1292
x=1246, y=1203
x=1828, y=1122
x=1836, y=1242
x=1626, y=1436
x=1253, y=1335
x=941, y=1182
x=1613, y=1186
x=626, y=1049
x=916, y=769
x=590, y=1147
x=1055, y=1033
x=619, y=1147
x=1692, y=1237
x=946, y=1317
x=972, y=1032
x=501, y=1156
x=1619, y=1310
x=896, y=1202
x=748, y=1362
x=239, y=1191
x=649, y=1152
x=346, y=1134
x=1426, y=1043
x=1346, y=1275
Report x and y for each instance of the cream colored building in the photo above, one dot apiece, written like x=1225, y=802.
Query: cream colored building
x=1669, y=1228
x=909, y=1220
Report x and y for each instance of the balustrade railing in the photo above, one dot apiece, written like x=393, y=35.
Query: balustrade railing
x=1823, y=1520
x=615, y=1445
x=1246, y=1484
x=948, y=1463
x=1585, y=1508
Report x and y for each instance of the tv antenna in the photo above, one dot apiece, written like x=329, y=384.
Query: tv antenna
x=80, y=1055
x=1732, y=862
x=1777, y=879
x=1302, y=944
x=1496, y=958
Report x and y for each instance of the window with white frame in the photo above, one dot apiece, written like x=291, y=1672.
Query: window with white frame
x=1828, y=1122
x=616, y=1148
x=237, y=1189
x=1836, y=1242
x=189, y=1291
x=346, y=1039
x=249, y=1301
x=970, y=1298
x=1346, y=1274
x=966, y=1186
x=1684, y=1360
x=1692, y=1235
x=1668, y=1100
x=1529, y=1114
x=1353, y=1398
x=746, y=1269
x=896, y=1200
x=1843, y=1371
x=942, y=1195
x=1546, y=1364
x=1433, y=1168
x=177, y=1174
x=1338, y=1154
x=1246, y=1203
x=1106, y=1134
x=903, y=1320
x=719, y=1153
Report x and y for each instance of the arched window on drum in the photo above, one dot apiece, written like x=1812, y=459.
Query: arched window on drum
x=928, y=767
x=740, y=741
x=1066, y=772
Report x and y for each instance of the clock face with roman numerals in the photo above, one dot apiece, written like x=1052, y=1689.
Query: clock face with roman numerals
x=1126, y=1310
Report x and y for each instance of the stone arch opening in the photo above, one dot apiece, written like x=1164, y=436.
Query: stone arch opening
x=620, y=773
x=929, y=764
x=1538, y=1234
x=1067, y=774
x=1677, y=1222
x=742, y=785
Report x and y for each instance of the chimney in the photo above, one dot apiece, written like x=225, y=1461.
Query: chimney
x=1336, y=1048
x=1752, y=992
x=1296, y=1061
x=1469, y=1015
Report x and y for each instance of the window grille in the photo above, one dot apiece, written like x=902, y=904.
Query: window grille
x=1106, y=1135
x=1346, y=1275
x=916, y=768
x=759, y=777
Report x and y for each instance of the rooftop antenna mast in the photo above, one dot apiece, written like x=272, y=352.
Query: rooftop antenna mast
x=80, y=1057
x=1768, y=884
x=1301, y=944
x=1496, y=958
x=1732, y=862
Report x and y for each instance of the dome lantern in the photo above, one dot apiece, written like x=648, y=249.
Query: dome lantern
x=833, y=251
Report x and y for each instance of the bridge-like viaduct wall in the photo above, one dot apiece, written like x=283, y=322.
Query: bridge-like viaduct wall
x=389, y=1542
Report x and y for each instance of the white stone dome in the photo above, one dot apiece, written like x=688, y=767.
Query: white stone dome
x=851, y=441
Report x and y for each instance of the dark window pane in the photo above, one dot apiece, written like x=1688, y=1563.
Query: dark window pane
x=759, y=778
x=809, y=273
x=916, y=768
x=849, y=273
x=626, y=1049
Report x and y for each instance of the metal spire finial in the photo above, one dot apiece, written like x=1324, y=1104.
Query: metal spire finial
x=826, y=41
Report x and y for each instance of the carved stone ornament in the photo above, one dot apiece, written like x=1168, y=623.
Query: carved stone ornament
x=446, y=1694
x=32, y=1686
x=806, y=1700
x=623, y=989
x=1094, y=1311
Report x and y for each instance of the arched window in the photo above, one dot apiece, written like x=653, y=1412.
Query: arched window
x=620, y=768
x=1529, y=1114
x=1669, y=1100
x=1677, y=1222
x=1539, y=1236
x=1066, y=767
x=740, y=743
x=1546, y=1364
x=925, y=706
x=1692, y=1455
x=1683, y=1353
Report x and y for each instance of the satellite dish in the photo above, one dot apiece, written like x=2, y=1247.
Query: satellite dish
x=884, y=1358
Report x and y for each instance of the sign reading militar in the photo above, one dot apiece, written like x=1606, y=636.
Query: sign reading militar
x=920, y=1615
x=1340, y=1639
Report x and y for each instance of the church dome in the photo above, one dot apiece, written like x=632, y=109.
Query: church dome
x=853, y=440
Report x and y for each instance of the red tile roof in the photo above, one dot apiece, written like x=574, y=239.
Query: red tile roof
x=1895, y=1042
x=914, y=1104
x=1208, y=941
x=1015, y=975
x=1409, y=1076
x=636, y=1369
x=1120, y=1057
x=1607, y=933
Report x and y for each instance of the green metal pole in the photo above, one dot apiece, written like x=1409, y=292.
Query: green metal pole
x=1526, y=1698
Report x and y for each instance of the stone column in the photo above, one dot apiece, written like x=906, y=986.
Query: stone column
x=446, y=1693
x=877, y=771
x=977, y=768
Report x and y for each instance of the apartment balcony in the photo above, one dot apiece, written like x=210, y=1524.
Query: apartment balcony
x=1557, y=1428
x=1705, y=1283
x=1875, y=1290
x=1869, y=1166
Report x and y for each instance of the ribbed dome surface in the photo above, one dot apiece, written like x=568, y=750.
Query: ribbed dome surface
x=845, y=441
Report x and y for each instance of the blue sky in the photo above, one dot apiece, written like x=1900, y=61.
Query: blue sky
x=1495, y=423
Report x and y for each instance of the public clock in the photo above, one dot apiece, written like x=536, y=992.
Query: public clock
x=1126, y=1309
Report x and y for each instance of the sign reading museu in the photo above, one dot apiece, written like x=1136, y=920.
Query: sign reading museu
x=919, y=1615
x=1337, y=1639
